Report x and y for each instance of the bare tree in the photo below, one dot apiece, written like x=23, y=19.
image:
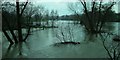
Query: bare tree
x=53, y=15
x=28, y=13
x=93, y=17
x=7, y=24
x=11, y=27
x=39, y=15
x=46, y=17
x=19, y=15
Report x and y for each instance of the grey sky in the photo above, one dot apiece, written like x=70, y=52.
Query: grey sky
x=60, y=5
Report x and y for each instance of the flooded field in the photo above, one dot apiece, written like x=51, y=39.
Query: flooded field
x=40, y=44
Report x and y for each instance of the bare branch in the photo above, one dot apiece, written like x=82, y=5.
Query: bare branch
x=24, y=8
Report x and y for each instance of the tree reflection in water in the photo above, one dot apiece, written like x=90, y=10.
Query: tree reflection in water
x=17, y=50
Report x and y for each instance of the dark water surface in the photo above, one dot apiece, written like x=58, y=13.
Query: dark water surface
x=41, y=43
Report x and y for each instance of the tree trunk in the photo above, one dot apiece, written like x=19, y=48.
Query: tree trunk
x=14, y=37
x=7, y=36
x=11, y=31
x=19, y=22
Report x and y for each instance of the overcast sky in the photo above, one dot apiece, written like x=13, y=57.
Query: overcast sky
x=60, y=5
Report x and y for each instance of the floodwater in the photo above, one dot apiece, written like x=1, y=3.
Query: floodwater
x=40, y=44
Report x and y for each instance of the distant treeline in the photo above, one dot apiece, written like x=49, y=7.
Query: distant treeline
x=78, y=17
x=69, y=17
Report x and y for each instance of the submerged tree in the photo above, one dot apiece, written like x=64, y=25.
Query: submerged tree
x=95, y=14
x=12, y=20
x=19, y=15
x=27, y=18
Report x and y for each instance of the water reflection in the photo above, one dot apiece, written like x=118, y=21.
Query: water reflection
x=17, y=50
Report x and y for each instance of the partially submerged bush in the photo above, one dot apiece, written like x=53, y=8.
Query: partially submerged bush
x=66, y=35
x=64, y=43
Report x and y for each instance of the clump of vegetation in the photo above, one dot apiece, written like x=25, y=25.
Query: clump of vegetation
x=65, y=36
